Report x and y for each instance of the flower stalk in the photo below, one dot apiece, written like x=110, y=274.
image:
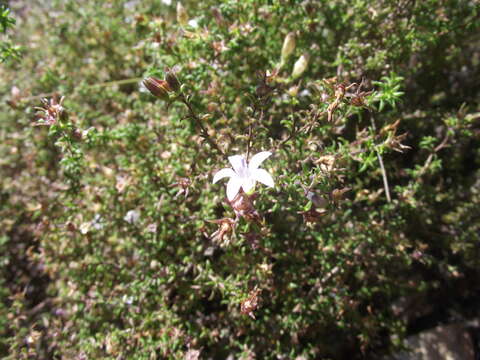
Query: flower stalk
x=203, y=130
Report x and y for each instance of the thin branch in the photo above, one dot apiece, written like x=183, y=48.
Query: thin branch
x=249, y=141
x=203, y=130
x=250, y=127
x=382, y=166
x=305, y=128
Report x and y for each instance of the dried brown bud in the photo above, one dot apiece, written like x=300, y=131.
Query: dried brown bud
x=172, y=80
x=51, y=112
x=77, y=134
x=226, y=227
x=357, y=101
x=395, y=143
x=340, y=91
x=184, y=185
x=242, y=205
x=390, y=128
x=337, y=194
x=250, y=304
x=313, y=215
x=71, y=227
x=157, y=87
x=326, y=163
x=358, y=97
x=317, y=200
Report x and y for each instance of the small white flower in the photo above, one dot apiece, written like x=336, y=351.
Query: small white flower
x=244, y=176
x=193, y=23
x=85, y=228
x=97, y=222
x=132, y=216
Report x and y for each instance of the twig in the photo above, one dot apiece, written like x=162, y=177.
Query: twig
x=203, y=130
x=382, y=167
x=250, y=128
x=307, y=127
x=249, y=141
x=39, y=308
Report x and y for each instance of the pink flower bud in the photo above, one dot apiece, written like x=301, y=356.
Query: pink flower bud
x=157, y=87
x=172, y=80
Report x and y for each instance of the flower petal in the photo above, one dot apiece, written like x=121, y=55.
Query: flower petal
x=262, y=176
x=238, y=163
x=257, y=159
x=223, y=173
x=233, y=186
x=248, y=184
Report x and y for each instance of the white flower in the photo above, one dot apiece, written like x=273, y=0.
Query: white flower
x=244, y=176
x=132, y=216
x=193, y=23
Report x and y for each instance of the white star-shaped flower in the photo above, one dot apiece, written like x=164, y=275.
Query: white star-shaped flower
x=244, y=176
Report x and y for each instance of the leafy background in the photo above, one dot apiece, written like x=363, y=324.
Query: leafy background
x=104, y=257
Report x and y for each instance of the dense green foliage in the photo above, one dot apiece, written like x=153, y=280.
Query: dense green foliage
x=109, y=245
x=7, y=49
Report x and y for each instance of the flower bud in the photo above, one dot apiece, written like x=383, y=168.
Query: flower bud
x=293, y=91
x=300, y=66
x=62, y=115
x=288, y=46
x=182, y=16
x=157, y=87
x=52, y=112
x=317, y=200
x=172, y=81
x=250, y=304
x=77, y=134
x=226, y=228
x=337, y=194
x=242, y=205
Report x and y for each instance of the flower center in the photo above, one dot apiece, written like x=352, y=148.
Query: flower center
x=243, y=170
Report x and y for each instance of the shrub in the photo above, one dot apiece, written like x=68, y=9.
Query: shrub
x=120, y=246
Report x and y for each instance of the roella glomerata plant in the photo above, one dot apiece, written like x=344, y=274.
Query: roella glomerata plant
x=237, y=179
